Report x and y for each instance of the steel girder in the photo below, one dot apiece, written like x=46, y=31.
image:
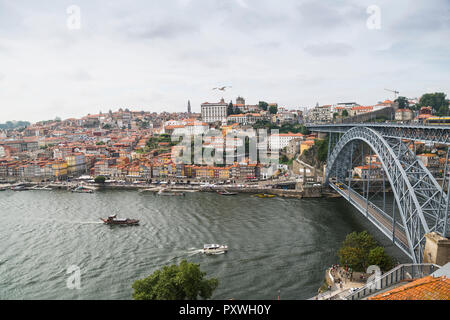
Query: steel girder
x=420, y=199
x=432, y=134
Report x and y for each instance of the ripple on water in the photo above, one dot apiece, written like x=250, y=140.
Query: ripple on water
x=274, y=243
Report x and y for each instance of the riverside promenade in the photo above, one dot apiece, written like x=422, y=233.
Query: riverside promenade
x=310, y=192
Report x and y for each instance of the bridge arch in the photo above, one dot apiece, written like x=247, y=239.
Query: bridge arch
x=419, y=198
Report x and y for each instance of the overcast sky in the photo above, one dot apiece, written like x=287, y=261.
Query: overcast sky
x=155, y=55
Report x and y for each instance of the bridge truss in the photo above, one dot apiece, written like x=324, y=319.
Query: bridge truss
x=420, y=201
x=432, y=134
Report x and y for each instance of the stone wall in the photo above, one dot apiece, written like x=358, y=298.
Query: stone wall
x=437, y=249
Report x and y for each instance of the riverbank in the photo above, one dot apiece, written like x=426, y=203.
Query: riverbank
x=307, y=192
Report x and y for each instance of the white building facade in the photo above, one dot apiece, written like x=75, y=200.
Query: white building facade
x=214, y=112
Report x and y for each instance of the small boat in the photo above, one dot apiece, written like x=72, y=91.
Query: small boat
x=112, y=220
x=227, y=193
x=265, y=195
x=214, y=249
x=19, y=188
x=82, y=189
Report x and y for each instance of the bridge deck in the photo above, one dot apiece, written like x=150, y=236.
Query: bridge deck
x=416, y=132
x=380, y=219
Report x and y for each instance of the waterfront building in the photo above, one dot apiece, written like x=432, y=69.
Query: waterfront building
x=59, y=167
x=245, y=171
x=76, y=163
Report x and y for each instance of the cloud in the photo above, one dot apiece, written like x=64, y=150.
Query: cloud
x=156, y=55
x=80, y=75
x=329, y=49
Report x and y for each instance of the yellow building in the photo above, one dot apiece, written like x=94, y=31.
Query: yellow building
x=59, y=168
x=224, y=173
x=204, y=172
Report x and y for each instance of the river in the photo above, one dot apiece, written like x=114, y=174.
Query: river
x=275, y=244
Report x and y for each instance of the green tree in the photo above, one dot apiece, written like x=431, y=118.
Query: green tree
x=352, y=257
x=263, y=105
x=174, y=282
x=443, y=111
x=402, y=102
x=230, y=109
x=345, y=113
x=438, y=101
x=361, y=240
x=100, y=179
x=360, y=250
x=322, y=149
x=273, y=109
x=377, y=256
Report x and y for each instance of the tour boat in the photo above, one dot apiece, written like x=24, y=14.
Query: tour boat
x=112, y=220
x=82, y=189
x=214, y=249
x=2, y=189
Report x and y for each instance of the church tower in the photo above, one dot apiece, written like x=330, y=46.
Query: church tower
x=189, y=106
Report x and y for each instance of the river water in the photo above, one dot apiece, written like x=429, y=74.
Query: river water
x=275, y=244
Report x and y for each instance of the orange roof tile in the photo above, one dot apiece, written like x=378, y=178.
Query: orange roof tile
x=427, y=288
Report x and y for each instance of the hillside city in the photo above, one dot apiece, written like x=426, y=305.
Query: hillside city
x=136, y=147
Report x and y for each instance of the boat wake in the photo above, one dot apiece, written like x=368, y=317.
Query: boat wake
x=193, y=252
x=70, y=221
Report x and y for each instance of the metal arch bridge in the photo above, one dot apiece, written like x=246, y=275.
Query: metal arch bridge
x=422, y=205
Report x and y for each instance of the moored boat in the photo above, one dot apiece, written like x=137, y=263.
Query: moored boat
x=170, y=193
x=112, y=220
x=265, y=195
x=82, y=189
x=227, y=193
x=214, y=249
x=19, y=188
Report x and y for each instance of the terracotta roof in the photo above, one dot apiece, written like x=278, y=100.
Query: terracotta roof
x=427, y=288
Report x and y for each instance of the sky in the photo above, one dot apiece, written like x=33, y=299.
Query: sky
x=156, y=55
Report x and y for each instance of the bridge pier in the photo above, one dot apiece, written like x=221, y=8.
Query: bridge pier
x=437, y=249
